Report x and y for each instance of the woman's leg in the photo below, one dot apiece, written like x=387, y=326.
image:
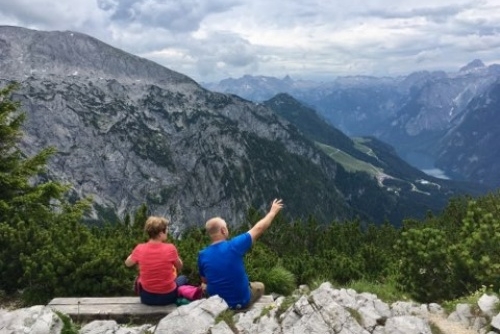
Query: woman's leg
x=149, y=298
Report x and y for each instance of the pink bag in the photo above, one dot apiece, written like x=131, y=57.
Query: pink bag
x=190, y=292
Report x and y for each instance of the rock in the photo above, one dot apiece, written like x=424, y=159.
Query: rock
x=495, y=322
x=462, y=314
x=408, y=308
x=196, y=317
x=221, y=328
x=320, y=313
x=112, y=327
x=34, y=320
x=323, y=310
x=488, y=304
x=436, y=309
x=407, y=325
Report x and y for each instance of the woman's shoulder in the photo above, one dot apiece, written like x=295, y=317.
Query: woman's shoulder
x=168, y=245
x=141, y=245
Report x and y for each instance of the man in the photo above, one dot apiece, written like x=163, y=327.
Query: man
x=221, y=264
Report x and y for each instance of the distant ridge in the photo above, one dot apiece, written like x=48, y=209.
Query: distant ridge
x=476, y=63
x=415, y=113
x=68, y=53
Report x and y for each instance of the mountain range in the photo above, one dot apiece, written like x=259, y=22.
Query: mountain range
x=129, y=131
x=433, y=119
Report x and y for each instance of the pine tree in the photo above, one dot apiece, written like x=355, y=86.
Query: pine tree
x=21, y=196
x=35, y=218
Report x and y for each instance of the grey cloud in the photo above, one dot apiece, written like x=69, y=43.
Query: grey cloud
x=225, y=52
x=49, y=15
x=26, y=14
x=232, y=49
x=437, y=14
x=479, y=27
x=173, y=15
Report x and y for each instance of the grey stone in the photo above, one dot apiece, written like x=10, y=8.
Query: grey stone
x=316, y=312
x=495, y=322
x=37, y=319
x=112, y=327
x=479, y=323
x=221, y=328
x=406, y=308
x=407, y=325
x=488, y=304
x=196, y=317
x=436, y=309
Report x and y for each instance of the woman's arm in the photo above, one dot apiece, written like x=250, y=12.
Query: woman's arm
x=178, y=264
x=129, y=262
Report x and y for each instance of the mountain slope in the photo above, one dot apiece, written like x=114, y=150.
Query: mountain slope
x=129, y=131
x=413, y=113
x=29, y=52
x=401, y=186
x=470, y=150
x=158, y=137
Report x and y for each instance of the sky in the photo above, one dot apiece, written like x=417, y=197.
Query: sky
x=210, y=40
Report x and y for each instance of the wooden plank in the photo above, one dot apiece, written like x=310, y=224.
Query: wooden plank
x=136, y=313
x=121, y=309
x=95, y=300
x=266, y=299
x=112, y=309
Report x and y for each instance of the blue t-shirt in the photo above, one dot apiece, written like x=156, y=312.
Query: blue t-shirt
x=222, y=266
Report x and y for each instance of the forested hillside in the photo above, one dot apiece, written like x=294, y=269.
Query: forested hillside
x=47, y=250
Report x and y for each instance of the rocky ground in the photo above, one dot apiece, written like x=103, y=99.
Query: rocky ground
x=449, y=327
x=323, y=310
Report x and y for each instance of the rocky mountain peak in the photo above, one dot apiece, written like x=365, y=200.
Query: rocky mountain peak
x=475, y=64
x=66, y=53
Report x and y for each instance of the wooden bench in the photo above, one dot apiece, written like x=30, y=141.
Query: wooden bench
x=120, y=309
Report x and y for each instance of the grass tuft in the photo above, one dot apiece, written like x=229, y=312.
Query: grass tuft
x=471, y=299
x=285, y=305
x=280, y=280
x=69, y=327
x=228, y=317
x=387, y=292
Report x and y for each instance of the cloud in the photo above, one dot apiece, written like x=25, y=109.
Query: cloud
x=211, y=53
x=174, y=16
x=437, y=14
x=52, y=15
x=313, y=39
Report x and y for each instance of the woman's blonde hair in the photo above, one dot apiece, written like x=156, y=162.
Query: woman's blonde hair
x=155, y=225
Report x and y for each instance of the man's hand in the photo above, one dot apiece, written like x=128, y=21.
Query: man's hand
x=276, y=206
x=262, y=225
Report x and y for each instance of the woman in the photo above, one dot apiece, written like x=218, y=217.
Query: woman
x=158, y=263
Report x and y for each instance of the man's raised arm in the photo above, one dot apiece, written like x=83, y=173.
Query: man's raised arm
x=263, y=224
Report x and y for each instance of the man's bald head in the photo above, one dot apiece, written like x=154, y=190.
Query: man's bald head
x=213, y=226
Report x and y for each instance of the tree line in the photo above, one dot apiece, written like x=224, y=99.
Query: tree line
x=47, y=250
